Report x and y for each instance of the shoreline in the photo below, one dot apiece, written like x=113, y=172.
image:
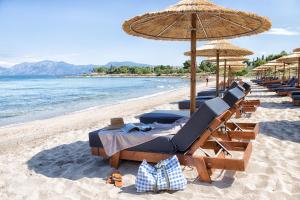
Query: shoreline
x=45, y=116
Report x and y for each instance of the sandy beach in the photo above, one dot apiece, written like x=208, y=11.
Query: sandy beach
x=50, y=159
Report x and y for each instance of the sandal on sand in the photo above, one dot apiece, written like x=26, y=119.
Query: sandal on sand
x=117, y=178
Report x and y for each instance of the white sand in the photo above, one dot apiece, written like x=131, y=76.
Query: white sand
x=50, y=159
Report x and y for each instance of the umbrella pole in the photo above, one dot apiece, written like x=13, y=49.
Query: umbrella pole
x=225, y=63
x=217, y=73
x=289, y=73
x=229, y=76
x=283, y=76
x=193, y=63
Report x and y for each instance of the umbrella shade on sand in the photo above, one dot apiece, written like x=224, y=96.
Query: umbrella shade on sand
x=225, y=60
x=293, y=58
x=217, y=49
x=192, y=20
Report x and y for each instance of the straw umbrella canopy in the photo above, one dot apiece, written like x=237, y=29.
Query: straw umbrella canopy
x=225, y=60
x=217, y=49
x=274, y=64
x=192, y=20
x=233, y=67
x=293, y=58
x=262, y=69
x=289, y=67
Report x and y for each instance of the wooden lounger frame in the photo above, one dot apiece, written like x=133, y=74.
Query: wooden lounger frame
x=255, y=102
x=205, y=165
x=270, y=82
x=296, y=102
x=287, y=93
x=238, y=131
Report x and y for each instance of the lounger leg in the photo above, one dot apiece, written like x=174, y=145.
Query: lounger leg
x=114, y=160
x=203, y=172
x=238, y=114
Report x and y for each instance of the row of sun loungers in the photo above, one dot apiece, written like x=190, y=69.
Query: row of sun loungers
x=206, y=141
x=283, y=88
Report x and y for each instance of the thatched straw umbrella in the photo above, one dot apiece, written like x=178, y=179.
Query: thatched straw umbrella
x=233, y=67
x=225, y=60
x=217, y=49
x=289, y=67
x=259, y=70
x=274, y=64
x=192, y=20
x=293, y=58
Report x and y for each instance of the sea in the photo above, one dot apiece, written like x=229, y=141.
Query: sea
x=27, y=98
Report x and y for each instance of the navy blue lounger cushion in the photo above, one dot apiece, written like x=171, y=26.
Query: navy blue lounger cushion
x=294, y=93
x=206, y=93
x=285, y=89
x=198, y=123
x=205, y=97
x=163, y=118
x=246, y=86
x=296, y=97
x=185, y=104
x=233, y=96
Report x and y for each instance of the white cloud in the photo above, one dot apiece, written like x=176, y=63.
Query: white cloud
x=282, y=31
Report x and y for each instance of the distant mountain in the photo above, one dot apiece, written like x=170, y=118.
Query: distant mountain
x=3, y=70
x=126, y=63
x=52, y=68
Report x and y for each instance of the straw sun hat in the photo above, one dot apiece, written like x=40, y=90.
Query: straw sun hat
x=115, y=123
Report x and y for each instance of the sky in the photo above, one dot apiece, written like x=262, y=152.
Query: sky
x=90, y=31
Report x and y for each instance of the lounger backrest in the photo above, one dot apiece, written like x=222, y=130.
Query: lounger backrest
x=290, y=81
x=199, y=123
x=246, y=86
x=293, y=82
x=237, y=85
x=233, y=85
x=232, y=96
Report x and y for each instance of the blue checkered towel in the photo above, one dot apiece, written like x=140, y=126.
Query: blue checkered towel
x=166, y=175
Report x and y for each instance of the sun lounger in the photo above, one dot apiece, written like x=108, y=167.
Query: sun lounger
x=296, y=100
x=250, y=105
x=195, y=136
x=285, y=91
x=278, y=85
x=234, y=98
x=294, y=93
x=231, y=98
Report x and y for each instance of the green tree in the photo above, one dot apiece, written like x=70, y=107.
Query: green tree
x=187, y=64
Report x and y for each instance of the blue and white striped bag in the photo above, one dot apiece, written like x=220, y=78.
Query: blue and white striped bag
x=166, y=175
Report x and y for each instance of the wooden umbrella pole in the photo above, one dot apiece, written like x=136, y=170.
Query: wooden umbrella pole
x=275, y=72
x=217, y=73
x=289, y=73
x=283, y=76
x=225, y=63
x=193, y=63
x=229, y=75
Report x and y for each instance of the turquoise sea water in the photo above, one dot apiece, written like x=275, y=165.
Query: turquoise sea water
x=29, y=98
